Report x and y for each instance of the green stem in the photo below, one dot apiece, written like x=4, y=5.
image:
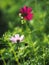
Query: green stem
x=43, y=56
x=16, y=59
x=3, y=60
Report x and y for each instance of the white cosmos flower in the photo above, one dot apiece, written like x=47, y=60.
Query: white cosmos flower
x=17, y=38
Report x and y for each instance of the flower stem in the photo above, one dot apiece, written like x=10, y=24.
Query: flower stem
x=3, y=60
x=43, y=56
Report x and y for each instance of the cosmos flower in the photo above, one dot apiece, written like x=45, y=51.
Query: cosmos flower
x=26, y=13
x=17, y=38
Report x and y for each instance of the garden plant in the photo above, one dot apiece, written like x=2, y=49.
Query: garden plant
x=24, y=32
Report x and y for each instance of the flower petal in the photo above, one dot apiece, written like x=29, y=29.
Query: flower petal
x=17, y=36
x=21, y=38
x=13, y=39
x=23, y=10
x=29, y=10
x=29, y=16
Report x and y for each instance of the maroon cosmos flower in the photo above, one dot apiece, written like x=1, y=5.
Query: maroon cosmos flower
x=26, y=13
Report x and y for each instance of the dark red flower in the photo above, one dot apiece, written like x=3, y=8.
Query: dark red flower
x=26, y=13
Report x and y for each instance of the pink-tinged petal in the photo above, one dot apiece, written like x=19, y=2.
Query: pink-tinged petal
x=29, y=10
x=23, y=10
x=29, y=16
x=13, y=39
x=21, y=38
x=17, y=36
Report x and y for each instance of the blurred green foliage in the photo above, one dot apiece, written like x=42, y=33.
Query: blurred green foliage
x=34, y=50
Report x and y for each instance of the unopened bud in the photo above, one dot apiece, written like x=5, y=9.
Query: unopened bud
x=20, y=14
x=21, y=17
